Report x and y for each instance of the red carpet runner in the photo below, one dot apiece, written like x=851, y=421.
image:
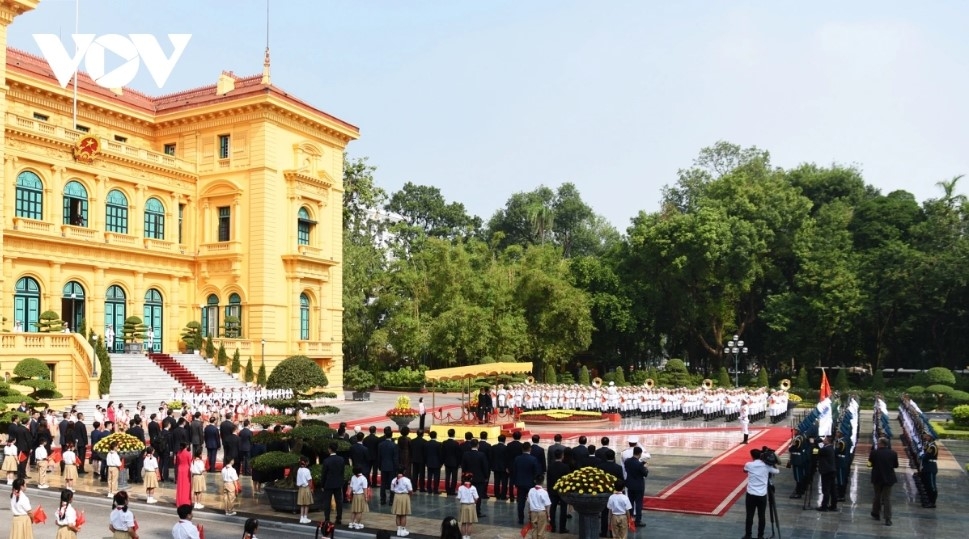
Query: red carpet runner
x=713, y=488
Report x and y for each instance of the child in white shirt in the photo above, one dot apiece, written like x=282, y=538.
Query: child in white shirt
x=401, y=487
x=230, y=487
x=69, y=458
x=198, y=479
x=40, y=455
x=10, y=461
x=619, y=507
x=467, y=497
x=360, y=492
x=149, y=474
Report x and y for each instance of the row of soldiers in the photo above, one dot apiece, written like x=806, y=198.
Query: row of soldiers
x=806, y=449
x=668, y=403
x=919, y=439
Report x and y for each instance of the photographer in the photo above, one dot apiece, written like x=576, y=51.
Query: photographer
x=759, y=470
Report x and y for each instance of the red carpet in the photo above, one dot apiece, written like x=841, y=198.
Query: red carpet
x=713, y=488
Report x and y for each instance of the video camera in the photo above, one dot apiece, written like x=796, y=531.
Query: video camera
x=768, y=456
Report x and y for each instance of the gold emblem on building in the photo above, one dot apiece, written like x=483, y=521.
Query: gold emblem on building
x=86, y=150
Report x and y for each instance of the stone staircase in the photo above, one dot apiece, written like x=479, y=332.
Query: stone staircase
x=206, y=372
x=185, y=377
x=135, y=378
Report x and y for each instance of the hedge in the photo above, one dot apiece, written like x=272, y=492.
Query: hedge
x=950, y=433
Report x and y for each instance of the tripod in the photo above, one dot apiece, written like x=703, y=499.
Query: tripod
x=775, y=521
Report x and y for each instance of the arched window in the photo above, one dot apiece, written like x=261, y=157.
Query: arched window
x=210, y=316
x=154, y=219
x=75, y=204
x=26, y=305
x=30, y=196
x=304, y=225
x=233, y=317
x=115, y=312
x=304, y=317
x=116, y=213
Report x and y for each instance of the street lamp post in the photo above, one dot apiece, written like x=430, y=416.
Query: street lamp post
x=735, y=347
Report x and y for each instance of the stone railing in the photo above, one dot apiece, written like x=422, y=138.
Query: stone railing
x=71, y=357
x=80, y=233
x=115, y=238
x=153, y=244
x=31, y=225
x=314, y=347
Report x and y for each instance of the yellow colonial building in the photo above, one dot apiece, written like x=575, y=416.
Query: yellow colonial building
x=217, y=203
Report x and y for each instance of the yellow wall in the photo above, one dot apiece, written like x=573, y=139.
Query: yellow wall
x=282, y=157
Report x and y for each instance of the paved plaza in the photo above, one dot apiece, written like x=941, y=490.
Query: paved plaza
x=677, y=448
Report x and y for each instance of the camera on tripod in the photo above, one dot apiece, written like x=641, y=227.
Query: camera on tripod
x=768, y=456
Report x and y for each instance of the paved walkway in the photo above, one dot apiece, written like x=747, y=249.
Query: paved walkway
x=675, y=452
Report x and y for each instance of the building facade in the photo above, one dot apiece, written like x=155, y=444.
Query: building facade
x=220, y=204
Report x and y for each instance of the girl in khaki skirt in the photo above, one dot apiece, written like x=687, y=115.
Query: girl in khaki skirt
x=122, y=521
x=401, y=487
x=467, y=497
x=69, y=458
x=9, y=461
x=21, y=525
x=66, y=517
x=149, y=474
x=198, y=479
x=304, y=496
x=360, y=490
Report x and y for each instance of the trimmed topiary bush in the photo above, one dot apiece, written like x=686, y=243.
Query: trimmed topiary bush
x=223, y=358
x=104, y=382
x=620, y=377
x=49, y=322
x=878, y=380
x=723, y=378
x=584, y=376
x=915, y=390
x=960, y=415
x=550, y=376
x=940, y=375
x=298, y=373
x=250, y=373
x=134, y=330
x=359, y=380
x=841, y=381
x=192, y=336
x=762, y=380
x=802, y=382
x=236, y=362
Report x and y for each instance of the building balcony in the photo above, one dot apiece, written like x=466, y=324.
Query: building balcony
x=31, y=225
x=164, y=246
x=108, y=147
x=115, y=238
x=80, y=233
x=314, y=348
x=220, y=248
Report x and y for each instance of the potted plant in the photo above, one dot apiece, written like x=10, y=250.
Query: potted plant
x=192, y=337
x=402, y=413
x=303, y=379
x=587, y=490
x=232, y=328
x=132, y=334
x=359, y=382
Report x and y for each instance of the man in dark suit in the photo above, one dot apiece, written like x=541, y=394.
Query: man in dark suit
x=827, y=467
x=476, y=463
x=80, y=442
x=166, y=443
x=212, y=443
x=24, y=442
x=485, y=405
x=332, y=479
x=581, y=451
x=245, y=448
x=388, y=462
x=556, y=470
x=62, y=432
x=550, y=455
x=499, y=465
x=883, y=462
x=539, y=453
x=451, y=452
x=226, y=427
x=359, y=456
x=32, y=427
x=524, y=469
x=604, y=447
x=514, y=449
x=230, y=446
x=371, y=442
x=608, y=465
x=636, y=473
x=433, y=461
x=134, y=470
x=169, y=419
x=417, y=460
x=197, y=432
x=485, y=449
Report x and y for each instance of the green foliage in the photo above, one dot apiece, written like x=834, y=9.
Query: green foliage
x=357, y=379
x=297, y=373
x=550, y=375
x=134, y=330
x=403, y=378
x=960, y=415
x=49, y=322
x=959, y=397
x=192, y=336
x=236, y=362
x=638, y=377
x=941, y=375
x=209, y=347
x=261, y=376
x=584, y=379
x=620, y=377
x=566, y=378
x=222, y=357
x=841, y=381
x=915, y=390
x=674, y=374
x=104, y=382
x=232, y=328
x=939, y=389
x=250, y=375
x=29, y=368
x=802, y=382
x=878, y=380
x=723, y=378
x=762, y=380
x=274, y=460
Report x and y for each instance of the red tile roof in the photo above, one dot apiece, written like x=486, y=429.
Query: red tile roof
x=36, y=67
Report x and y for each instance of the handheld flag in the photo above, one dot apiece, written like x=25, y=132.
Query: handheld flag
x=40, y=516
x=825, y=386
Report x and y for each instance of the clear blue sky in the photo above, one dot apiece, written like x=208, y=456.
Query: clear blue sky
x=483, y=99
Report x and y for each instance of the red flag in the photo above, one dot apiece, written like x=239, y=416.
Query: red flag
x=825, y=386
x=526, y=529
x=40, y=516
x=80, y=519
x=22, y=457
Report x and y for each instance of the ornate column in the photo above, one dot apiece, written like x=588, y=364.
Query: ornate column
x=96, y=205
x=137, y=228
x=235, y=219
x=9, y=189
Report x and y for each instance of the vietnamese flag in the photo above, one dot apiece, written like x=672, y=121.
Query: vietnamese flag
x=825, y=386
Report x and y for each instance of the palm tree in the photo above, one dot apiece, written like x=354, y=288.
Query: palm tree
x=948, y=188
x=542, y=218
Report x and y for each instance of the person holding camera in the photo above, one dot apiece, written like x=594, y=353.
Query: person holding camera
x=759, y=470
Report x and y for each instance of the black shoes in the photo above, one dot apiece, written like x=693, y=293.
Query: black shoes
x=795, y=496
x=876, y=516
x=888, y=522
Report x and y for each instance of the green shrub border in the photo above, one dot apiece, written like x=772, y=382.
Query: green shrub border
x=948, y=431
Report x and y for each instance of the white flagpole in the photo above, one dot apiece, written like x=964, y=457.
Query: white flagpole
x=77, y=16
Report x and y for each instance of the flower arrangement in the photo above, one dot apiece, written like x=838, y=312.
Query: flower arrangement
x=562, y=415
x=126, y=443
x=586, y=480
x=402, y=408
x=791, y=397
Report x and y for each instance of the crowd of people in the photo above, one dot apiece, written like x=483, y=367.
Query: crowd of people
x=919, y=440
x=645, y=401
